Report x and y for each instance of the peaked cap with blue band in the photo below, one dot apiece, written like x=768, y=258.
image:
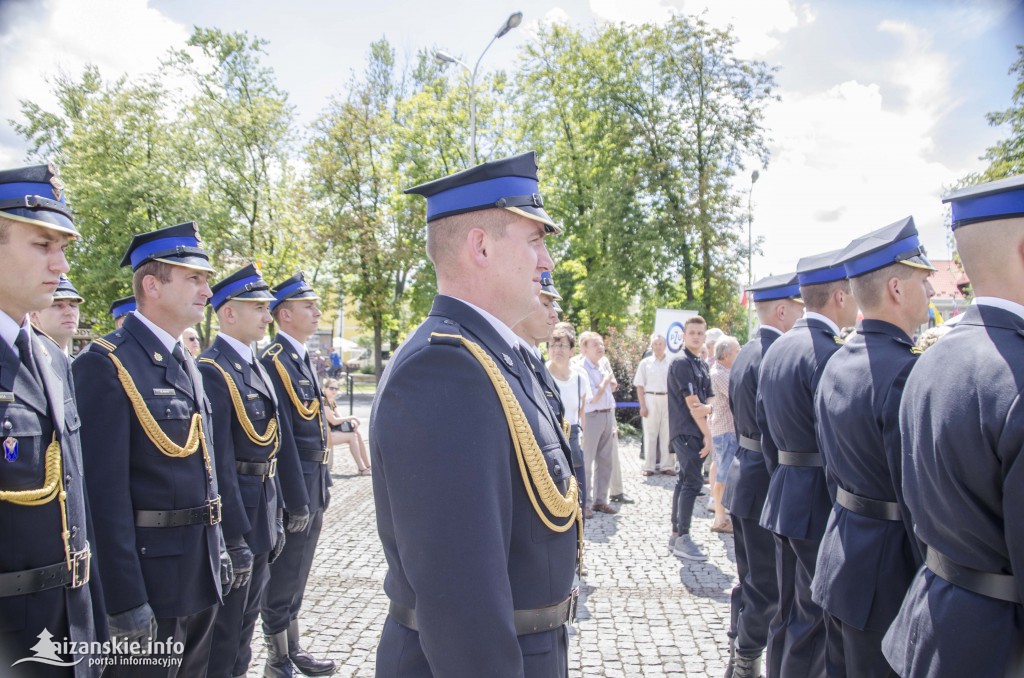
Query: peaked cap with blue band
x=65, y=290
x=547, y=288
x=294, y=288
x=245, y=284
x=820, y=268
x=896, y=243
x=1003, y=199
x=509, y=183
x=785, y=286
x=123, y=306
x=176, y=245
x=35, y=195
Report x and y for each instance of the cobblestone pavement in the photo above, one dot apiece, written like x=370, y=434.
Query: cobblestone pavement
x=643, y=612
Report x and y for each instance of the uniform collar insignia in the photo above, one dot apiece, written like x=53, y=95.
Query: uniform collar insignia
x=157, y=357
x=508, y=361
x=238, y=367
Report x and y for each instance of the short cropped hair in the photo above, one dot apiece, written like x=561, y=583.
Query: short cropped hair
x=654, y=336
x=446, y=235
x=816, y=296
x=160, y=269
x=869, y=289
x=694, y=320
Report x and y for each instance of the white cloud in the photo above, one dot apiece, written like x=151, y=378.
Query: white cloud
x=757, y=24
x=42, y=39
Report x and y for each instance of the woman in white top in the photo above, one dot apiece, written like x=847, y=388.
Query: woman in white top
x=574, y=388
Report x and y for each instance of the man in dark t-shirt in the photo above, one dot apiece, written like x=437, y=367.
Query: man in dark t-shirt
x=689, y=387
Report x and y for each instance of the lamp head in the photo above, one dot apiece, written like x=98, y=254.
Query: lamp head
x=511, y=22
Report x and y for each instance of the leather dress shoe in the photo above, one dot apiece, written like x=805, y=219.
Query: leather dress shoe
x=622, y=499
x=605, y=508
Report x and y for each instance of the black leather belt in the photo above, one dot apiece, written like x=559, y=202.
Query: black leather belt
x=599, y=411
x=264, y=469
x=526, y=621
x=998, y=586
x=752, y=444
x=319, y=456
x=870, y=508
x=207, y=514
x=800, y=458
x=48, y=577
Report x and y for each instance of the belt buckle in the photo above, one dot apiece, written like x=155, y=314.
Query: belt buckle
x=327, y=455
x=80, y=568
x=574, y=598
x=272, y=468
x=213, y=506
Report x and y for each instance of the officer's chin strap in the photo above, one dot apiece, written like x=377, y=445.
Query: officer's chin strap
x=532, y=466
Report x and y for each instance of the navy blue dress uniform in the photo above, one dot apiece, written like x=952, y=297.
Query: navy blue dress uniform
x=150, y=470
x=48, y=583
x=962, y=429
x=246, y=435
x=755, y=596
x=868, y=554
x=121, y=307
x=798, y=504
x=480, y=558
x=303, y=484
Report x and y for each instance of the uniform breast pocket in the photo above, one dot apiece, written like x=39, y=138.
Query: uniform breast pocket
x=23, y=466
x=256, y=410
x=173, y=415
x=306, y=392
x=72, y=422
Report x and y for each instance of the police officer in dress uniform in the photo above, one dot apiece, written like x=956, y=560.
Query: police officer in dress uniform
x=149, y=458
x=59, y=320
x=119, y=308
x=246, y=435
x=755, y=596
x=962, y=429
x=535, y=328
x=798, y=504
x=304, y=485
x=869, y=555
x=45, y=528
x=480, y=558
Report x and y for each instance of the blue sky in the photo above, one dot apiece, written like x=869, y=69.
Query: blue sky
x=883, y=102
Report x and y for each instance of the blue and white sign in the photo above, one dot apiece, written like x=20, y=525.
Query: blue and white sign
x=668, y=322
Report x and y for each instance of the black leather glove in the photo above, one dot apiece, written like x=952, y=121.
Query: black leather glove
x=135, y=625
x=227, y=570
x=279, y=543
x=241, y=563
x=298, y=520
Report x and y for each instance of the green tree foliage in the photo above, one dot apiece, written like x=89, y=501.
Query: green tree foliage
x=1007, y=157
x=641, y=130
x=120, y=155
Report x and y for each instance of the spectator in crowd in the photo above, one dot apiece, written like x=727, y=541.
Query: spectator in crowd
x=713, y=335
x=191, y=340
x=344, y=430
x=320, y=364
x=723, y=432
x=574, y=389
x=689, y=388
x=651, y=381
x=601, y=443
x=59, y=320
x=335, y=360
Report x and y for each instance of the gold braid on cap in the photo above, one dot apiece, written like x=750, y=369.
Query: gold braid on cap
x=303, y=411
x=270, y=435
x=53, y=487
x=532, y=466
x=156, y=435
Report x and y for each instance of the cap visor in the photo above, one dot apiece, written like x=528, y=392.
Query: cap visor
x=59, y=223
x=67, y=295
x=537, y=214
x=919, y=261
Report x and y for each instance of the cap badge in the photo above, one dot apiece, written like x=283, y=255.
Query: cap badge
x=56, y=182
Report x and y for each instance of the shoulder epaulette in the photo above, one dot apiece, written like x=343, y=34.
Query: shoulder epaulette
x=35, y=328
x=916, y=351
x=839, y=340
x=272, y=350
x=445, y=339
x=109, y=343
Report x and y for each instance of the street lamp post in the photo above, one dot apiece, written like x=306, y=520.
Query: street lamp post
x=442, y=58
x=750, y=252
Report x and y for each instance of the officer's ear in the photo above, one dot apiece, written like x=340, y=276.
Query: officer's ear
x=479, y=246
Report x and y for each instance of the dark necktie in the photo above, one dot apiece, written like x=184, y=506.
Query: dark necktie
x=25, y=354
x=179, y=355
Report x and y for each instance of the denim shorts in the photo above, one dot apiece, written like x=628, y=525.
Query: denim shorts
x=725, y=451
